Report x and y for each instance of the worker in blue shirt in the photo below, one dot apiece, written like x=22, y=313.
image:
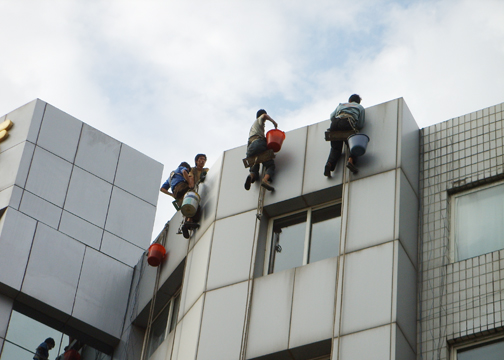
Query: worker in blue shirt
x=42, y=352
x=347, y=116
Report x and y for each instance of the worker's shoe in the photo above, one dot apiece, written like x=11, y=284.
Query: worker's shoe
x=191, y=225
x=352, y=167
x=267, y=185
x=185, y=231
x=248, y=182
x=327, y=169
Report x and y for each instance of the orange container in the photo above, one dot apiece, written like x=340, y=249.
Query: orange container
x=274, y=139
x=156, y=254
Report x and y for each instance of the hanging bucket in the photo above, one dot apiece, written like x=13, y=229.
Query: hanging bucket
x=190, y=204
x=358, y=144
x=274, y=139
x=156, y=254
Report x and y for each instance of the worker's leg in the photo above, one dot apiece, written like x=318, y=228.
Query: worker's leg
x=268, y=177
x=257, y=147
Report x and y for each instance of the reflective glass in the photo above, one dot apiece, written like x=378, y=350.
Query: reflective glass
x=14, y=352
x=479, y=222
x=325, y=233
x=288, y=242
x=158, y=329
x=493, y=351
x=174, y=316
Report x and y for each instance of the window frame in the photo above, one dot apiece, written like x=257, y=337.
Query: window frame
x=453, y=223
x=480, y=342
x=306, y=249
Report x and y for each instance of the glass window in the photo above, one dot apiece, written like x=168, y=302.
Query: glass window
x=304, y=237
x=488, y=351
x=163, y=324
x=477, y=222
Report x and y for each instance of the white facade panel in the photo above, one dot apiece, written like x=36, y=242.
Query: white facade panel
x=317, y=152
x=81, y=230
x=11, y=196
x=187, y=333
x=408, y=218
x=271, y=314
x=130, y=218
x=16, y=236
x=40, y=209
x=59, y=133
x=54, y=268
x=26, y=121
x=88, y=197
x=406, y=296
x=371, y=211
x=103, y=309
x=120, y=249
x=11, y=160
x=49, y=176
x=24, y=164
x=98, y=153
x=195, y=274
x=370, y=344
x=222, y=323
x=5, y=310
x=138, y=174
x=313, y=302
x=410, y=145
x=230, y=260
x=367, y=288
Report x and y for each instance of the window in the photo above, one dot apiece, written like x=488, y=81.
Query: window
x=163, y=324
x=304, y=237
x=477, y=221
x=488, y=351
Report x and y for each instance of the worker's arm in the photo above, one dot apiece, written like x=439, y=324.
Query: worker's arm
x=164, y=191
x=267, y=117
x=188, y=176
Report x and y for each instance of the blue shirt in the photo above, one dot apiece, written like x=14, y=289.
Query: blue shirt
x=355, y=110
x=42, y=352
x=175, y=179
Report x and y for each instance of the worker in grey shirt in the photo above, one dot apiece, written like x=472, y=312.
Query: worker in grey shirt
x=257, y=145
x=347, y=116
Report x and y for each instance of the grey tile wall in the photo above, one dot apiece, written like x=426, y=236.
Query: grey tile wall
x=465, y=298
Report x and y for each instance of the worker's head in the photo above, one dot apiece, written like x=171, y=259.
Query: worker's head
x=260, y=112
x=186, y=165
x=200, y=160
x=50, y=343
x=354, y=98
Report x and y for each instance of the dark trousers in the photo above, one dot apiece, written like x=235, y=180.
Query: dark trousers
x=255, y=148
x=338, y=124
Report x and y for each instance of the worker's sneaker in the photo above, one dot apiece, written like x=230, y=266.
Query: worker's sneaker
x=352, y=167
x=327, y=169
x=248, y=182
x=185, y=231
x=267, y=185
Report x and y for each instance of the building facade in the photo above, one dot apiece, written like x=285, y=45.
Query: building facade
x=400, y=261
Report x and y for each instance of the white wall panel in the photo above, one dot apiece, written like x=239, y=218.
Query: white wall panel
x=317, y=152
x=138, y=174
x=370, y=344
x=270, y=314
x=195, y=274
x=40, y=209
x=403, y=350
x=53, y=268
x=49, y=176
x=381, y=127
x=410, y=145
x=231, y=250
x=24, y=164
x=408, y=218
x=406, y=296
x=11, y=196
x=98, y=153
x=103, y=309
x=130, y=218
x=222, y=323
x=16, y=235
x=313, y=303
x=59, y=133
x=5, y=312
x=26, y=119
x=88, y=197
x=81, y=230
x=231, y=185
x=187, y=333
x=120, y=249
x=371, y=211
x=367, y=288
x=11, y=160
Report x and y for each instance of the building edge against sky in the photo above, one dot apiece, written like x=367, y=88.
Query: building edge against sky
x=72, y=198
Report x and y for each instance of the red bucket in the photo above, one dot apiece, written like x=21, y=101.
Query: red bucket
x=156, y=254
x=274, y=139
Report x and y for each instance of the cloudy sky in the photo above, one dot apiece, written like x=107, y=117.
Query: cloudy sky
x=175, y=78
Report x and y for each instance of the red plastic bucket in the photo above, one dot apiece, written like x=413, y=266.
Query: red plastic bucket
x=156, y=254
x=274, y=139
